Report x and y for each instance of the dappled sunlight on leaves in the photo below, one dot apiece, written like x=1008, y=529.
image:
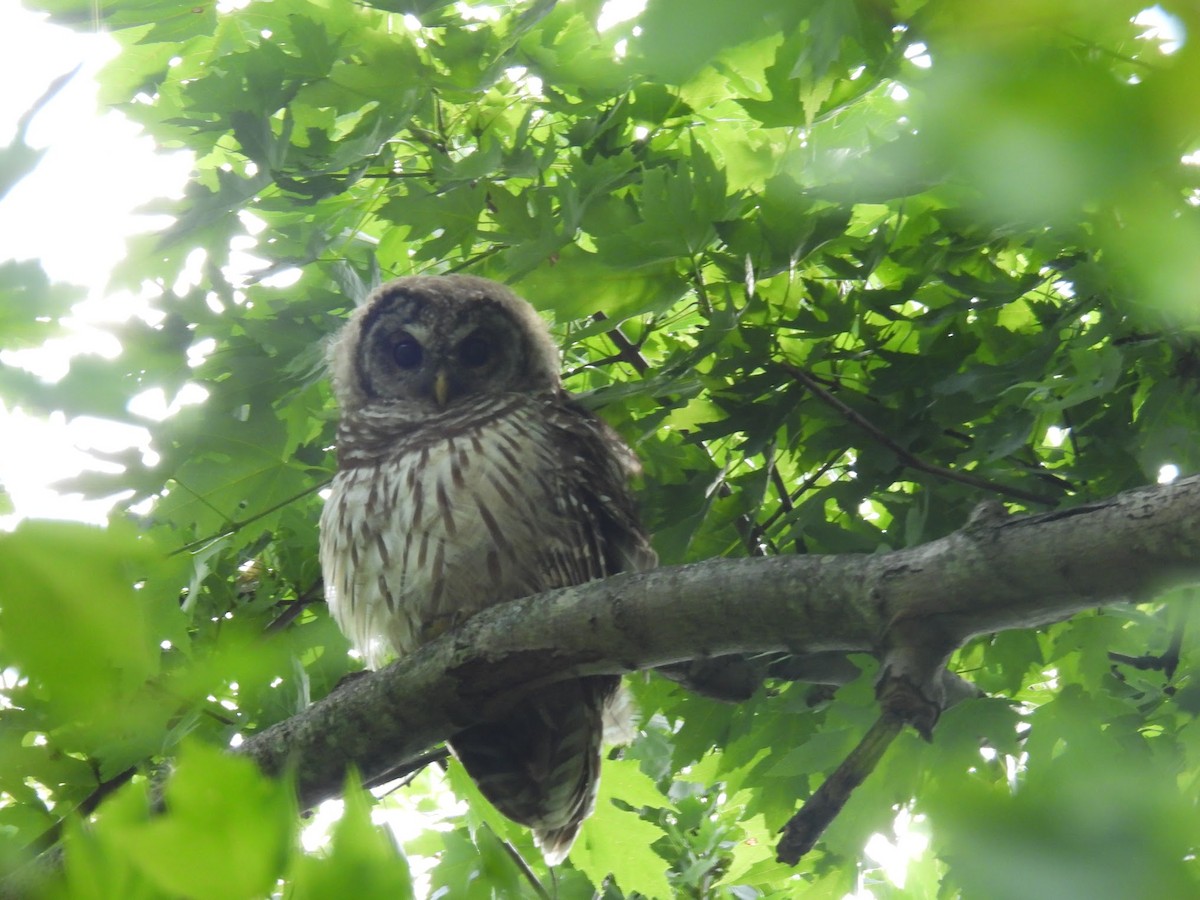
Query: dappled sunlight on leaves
x=837, y=271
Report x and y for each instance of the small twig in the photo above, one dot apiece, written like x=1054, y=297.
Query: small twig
x=804, y=488
x=627, y=351
x=908, y=458
x=785, y=500
x=235, y=526
x=517, y=858
x=827, y=667
x=1145, y=663
x=390, y=175
x=1171, y=657
x=219, y=718
x=758, y=533
x=701, y=290
x=1074, y=441
x=753, y=538
x=803, y=830
x=593, y=364
x=408, y=770
x=314, y=594
x=478, y=257
x=1166, y=662
x=51, y=836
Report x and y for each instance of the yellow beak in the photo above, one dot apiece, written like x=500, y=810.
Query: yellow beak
x=441, y=388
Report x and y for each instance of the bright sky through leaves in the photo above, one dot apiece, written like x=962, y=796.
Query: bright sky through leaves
x=73, y=214
x=871, y=263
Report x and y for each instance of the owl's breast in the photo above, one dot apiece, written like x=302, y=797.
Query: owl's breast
x=440, y=529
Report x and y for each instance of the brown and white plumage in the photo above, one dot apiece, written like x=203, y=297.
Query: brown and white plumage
x=467, y=477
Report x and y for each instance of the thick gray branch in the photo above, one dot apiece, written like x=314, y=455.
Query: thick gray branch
x=996, y=573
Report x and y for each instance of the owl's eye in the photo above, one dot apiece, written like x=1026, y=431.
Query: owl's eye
x=407, y=352
x=474, y=351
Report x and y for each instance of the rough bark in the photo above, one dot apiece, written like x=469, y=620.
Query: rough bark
x=995, y=573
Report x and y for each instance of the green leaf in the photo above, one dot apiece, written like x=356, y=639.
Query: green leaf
x=32, y=304
x=973, y=226
x=618, y=842
x=89, y=631
x=616, y=292
x=820, y=753
x=18, y=159
x=711, y=26
x=361, y=859
x=237, y=475
x=226, y=833
x=1067, y=836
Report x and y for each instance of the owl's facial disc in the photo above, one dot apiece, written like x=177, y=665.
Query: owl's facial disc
x=420, y=349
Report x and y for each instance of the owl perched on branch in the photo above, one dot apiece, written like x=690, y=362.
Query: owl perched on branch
x=468, y=477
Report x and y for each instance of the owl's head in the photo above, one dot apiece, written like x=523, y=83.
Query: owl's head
x=442, y=339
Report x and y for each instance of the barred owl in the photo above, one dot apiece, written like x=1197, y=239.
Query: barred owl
x=468, y=477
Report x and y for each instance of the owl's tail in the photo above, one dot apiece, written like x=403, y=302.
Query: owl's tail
x=540, y=765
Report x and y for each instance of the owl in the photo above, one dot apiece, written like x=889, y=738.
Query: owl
x=467, y=477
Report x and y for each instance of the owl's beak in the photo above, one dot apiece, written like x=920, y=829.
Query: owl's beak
x=441, y=387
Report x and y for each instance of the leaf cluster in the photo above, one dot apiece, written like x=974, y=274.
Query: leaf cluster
x=837, y=270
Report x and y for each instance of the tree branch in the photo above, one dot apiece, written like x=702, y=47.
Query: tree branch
x=905, y=455
x=805, y=828
x=996, y=573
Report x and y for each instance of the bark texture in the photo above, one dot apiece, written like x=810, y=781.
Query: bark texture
x=908, y=606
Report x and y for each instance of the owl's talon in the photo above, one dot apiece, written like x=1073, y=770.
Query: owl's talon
x=439, y=625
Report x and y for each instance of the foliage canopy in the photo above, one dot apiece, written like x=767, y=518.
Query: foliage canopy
x=837, y=270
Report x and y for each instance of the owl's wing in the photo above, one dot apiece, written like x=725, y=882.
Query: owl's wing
x=540, y=764
x=601, y=480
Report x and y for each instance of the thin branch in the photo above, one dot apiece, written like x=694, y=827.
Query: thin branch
x=1071, y=437
x=292, y=609
x=754, y=541
x=627, y=351
x=83, y=809
x=1166, y=662
x=781, y=491
x=803, y=829
x=390, y=175
x=907, y=457
x=521, y=864
x=475, y=258
x=237, y=525
x=701, y=289
x=805, y=486
x=410, y=770
x=1172, y=656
